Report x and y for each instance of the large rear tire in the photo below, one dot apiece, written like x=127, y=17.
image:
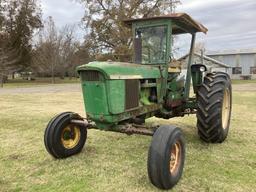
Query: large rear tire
x=166, y=157
x=214, y=99
x=63, y=138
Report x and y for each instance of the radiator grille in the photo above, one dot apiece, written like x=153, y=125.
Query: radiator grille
x=131, y=94
x=90, y=76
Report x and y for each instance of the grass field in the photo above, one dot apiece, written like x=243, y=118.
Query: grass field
x=243, y=81
x=117, y=162
x=38, y=82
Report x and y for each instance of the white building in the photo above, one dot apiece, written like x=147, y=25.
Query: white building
x=242, y=63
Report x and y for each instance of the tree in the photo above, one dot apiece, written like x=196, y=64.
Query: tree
x=18, y=21
x=82, y=55
x=46, y=53
x=103, y=21
x=23, y=18
x=2, y=9
x=57, y=51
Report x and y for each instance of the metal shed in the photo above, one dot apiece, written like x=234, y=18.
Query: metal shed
x=242, y=63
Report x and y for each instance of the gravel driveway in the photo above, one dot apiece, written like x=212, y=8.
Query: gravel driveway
x=42, y=89
x=77, y=88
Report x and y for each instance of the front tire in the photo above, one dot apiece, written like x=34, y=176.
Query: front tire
x=166, y=157
x=63, y=138
x=214, y=99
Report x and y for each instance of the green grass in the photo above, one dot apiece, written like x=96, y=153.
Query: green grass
x=243, y=81
x=12, y=83
x=117, y=162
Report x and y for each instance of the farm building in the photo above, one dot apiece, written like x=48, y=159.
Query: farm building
x=242, y=63
x=210, y=63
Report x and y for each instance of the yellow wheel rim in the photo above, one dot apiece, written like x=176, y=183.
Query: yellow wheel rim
x=225, y=108
x=70, y=136
x=175, y=157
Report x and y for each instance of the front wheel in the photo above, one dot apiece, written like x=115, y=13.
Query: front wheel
x=63, y=138
x=166, y=157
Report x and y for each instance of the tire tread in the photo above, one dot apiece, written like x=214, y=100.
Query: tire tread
x=209, y=98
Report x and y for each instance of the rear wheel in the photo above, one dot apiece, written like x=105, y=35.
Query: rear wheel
x=166, y=157
x=214, y=107
x=63, y=138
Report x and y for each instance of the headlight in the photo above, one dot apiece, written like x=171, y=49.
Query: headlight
x=202, y=69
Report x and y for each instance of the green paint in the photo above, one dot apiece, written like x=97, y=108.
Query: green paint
x=105, y=93
x=117, y=70
x=144, y=95
x=197, y=75
x=116, y=96
x=95, y=97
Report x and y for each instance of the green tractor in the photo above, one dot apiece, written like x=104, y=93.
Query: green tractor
x=120, y=96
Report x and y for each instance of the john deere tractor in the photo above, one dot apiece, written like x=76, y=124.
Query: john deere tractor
x=121, y=96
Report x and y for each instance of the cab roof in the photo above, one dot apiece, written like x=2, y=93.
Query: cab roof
x=183, y=23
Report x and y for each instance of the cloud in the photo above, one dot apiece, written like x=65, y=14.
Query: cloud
x=199, y=4
x=63, y=11
x=230, y=22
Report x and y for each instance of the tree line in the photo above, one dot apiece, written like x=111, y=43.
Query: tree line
x=27, y=43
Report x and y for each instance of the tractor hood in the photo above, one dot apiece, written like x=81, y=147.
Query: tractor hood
x=118, y=70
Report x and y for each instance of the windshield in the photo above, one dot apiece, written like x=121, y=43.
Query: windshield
x=150, y=45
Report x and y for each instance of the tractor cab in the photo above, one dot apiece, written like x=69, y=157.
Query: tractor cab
x=153, y=36
x=153, y=40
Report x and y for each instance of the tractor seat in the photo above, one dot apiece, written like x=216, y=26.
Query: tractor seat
x=174, y=66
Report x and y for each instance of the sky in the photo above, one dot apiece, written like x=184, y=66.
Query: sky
x=64, y=12
x=230, y=23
